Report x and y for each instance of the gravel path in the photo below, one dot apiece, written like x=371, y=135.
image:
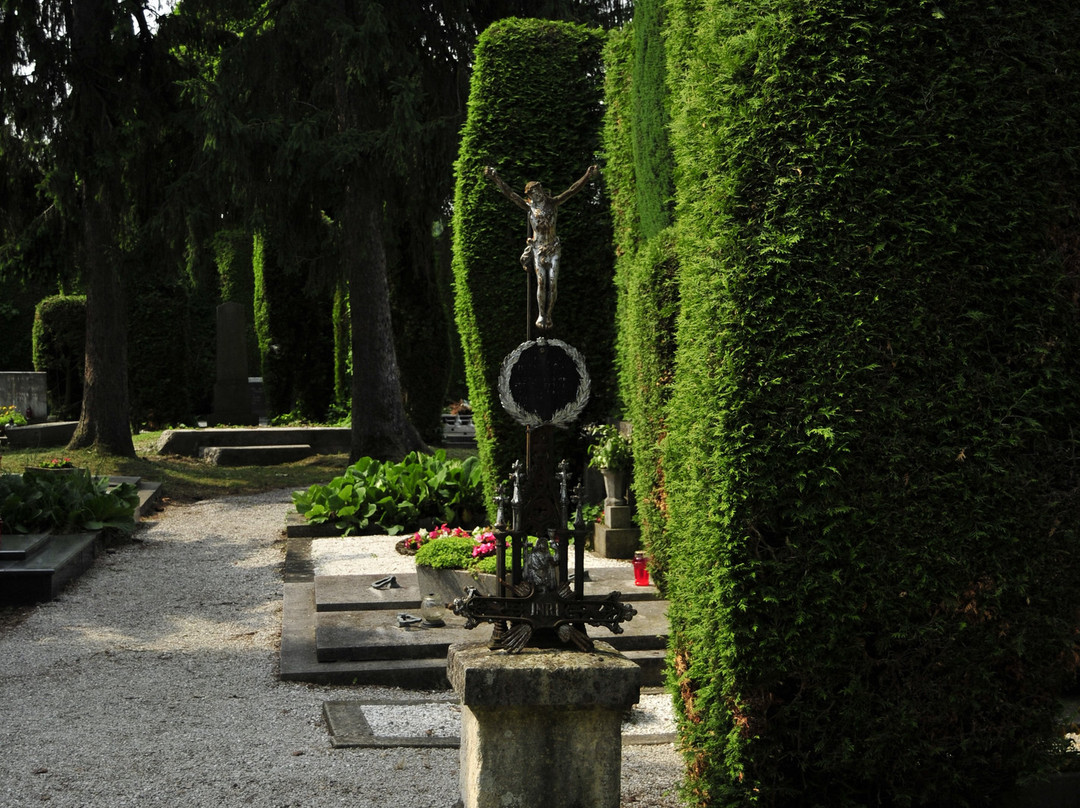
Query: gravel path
x=152, y=681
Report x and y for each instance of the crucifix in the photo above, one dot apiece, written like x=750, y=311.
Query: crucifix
x=542, y=247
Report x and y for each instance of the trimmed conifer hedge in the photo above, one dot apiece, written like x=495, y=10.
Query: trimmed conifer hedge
x=59, y=348
x=638, y=171
x=872, y=462
x=534, y=113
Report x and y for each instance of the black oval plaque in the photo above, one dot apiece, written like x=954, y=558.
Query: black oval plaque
x=544, y=381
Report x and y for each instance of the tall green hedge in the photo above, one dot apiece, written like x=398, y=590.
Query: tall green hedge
x=59, y=347
x=649, y=103
x=534, y=113
x=872, y=463
x=638, y=166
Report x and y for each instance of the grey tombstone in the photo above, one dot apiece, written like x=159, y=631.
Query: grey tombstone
x=25, y=390
x=232, y=392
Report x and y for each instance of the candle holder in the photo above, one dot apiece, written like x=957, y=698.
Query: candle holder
x=433, y=612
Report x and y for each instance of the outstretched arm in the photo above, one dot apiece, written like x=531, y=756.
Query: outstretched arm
x=506, y=190
x=594, y=171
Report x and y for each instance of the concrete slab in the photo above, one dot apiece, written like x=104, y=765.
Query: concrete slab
x=149, y=493
x=49, y=434
x=435, y=722
x=426, y=724
x=373, y=635
x=298, y=661
x=348, y=593
x=322, y=439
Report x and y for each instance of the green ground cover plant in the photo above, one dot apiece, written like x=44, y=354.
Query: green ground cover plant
x=389, y=497
x=40, y=501
x=457, y=549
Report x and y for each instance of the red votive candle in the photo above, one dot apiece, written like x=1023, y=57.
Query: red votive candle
x=641, y=569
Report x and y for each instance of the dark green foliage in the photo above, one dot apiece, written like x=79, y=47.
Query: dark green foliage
x=421, y=304
x=535, y=114
x=449, y=553
x=340, y=325
x=18, y=302
x=59, y=348
x=295, y=336
x=64, y=501
x=232, y=257
x=171, y=351
x=647, y=334
x=388, y=497
x=645, y=269
x=871, y=466
x=649, y=105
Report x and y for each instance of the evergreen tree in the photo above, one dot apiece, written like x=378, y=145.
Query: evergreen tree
x=84, y=84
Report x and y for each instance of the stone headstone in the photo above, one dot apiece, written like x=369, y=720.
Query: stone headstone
x=232, y=392
x=26, y=391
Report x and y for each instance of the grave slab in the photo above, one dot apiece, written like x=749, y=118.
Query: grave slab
x=47, y=571
x=343, y=593
x=257, y=455
x=357, y=636
x=14, y=546
x=353, y=593
x=373, y=635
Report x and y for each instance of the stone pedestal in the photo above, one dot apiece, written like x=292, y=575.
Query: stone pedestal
x=616, y=537
x=541, y=728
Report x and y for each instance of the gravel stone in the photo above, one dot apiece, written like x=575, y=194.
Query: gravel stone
x=152, y=680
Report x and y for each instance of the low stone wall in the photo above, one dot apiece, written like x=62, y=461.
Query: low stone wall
x=190, y=442
x=52, y=434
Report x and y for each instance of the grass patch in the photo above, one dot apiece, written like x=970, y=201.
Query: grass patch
x=186, y=479
x=183, y=479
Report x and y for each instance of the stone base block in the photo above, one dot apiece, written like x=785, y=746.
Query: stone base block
x=232, y=403
x=618, y=516
x=610, y=542
x=541, y=728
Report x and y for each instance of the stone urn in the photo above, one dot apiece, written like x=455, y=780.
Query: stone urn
x=614, y=486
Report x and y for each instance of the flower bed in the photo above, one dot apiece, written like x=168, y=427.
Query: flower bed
x=450, y=560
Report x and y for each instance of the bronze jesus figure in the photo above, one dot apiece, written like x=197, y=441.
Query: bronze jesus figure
x=542, y=247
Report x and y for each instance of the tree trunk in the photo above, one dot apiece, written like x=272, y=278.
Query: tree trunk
x=380, y=427
x=104, y=421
